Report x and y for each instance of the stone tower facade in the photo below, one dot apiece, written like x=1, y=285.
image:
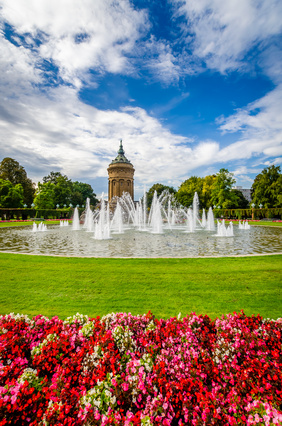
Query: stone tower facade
x=121, y=173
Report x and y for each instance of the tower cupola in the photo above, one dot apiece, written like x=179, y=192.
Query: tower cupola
x=121, y=173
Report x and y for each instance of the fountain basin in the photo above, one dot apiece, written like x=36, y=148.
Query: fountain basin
x=173, y=243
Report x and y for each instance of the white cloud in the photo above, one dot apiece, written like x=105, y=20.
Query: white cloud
x=78, y=36
x=51, y=129
x=260, y=126
x=221, y=32
x=59, y=132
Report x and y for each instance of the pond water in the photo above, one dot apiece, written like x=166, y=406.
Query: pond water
x=63, y=241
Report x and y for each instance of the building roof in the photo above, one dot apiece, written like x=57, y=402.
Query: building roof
x=121, y=158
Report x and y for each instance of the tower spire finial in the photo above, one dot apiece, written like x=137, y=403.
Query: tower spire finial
x=120, y=151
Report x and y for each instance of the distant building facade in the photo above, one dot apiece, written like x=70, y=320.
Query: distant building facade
x=121, y=176
x=245, y=192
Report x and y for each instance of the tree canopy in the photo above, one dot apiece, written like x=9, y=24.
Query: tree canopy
x=11, y=195
x=267, y=188
x=58, y=189
x=12, y=171
x=45, y=196
x=159, y=188
x=201, y=185
x=222, y=194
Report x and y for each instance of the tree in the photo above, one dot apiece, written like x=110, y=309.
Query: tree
x=187, y=189
x=11, y=196
x=66, y=191
x=222, y=194
x=53, y=177
x=12, y=171
x=62, y=187
x=80, y=192
x=45, y=196
x=203, y=187
x=241, y=202
x=206, y=197
x=159, y=188
x=267, y=187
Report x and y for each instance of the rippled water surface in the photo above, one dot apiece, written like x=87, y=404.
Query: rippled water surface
x=63, y=241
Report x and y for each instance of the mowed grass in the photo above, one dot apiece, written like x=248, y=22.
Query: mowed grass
x=29, y=223
x=215, y=286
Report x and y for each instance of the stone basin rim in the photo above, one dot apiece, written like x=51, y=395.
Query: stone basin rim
x=139, y=257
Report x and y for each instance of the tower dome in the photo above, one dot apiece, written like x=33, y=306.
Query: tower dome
x=121, y=173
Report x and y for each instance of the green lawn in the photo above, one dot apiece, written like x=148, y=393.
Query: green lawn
x=63, y=286
x=260, y=223
x=29, y=223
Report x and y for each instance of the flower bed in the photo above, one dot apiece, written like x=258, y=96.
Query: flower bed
x=138, y=370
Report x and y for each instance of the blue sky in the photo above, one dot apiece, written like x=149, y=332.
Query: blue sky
x=190, y=86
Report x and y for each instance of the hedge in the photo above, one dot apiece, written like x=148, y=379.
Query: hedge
x=275, y=213
x=30, y=213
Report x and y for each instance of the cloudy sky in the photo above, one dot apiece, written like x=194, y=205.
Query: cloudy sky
x=190, y=86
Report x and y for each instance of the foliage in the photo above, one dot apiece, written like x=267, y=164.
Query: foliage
x=62, y=188
x=222, y=194
x=159, y=188
x=241, y=202
x=67, y=192
x=12, y=171
x=53, y=177
x=137, y=370
x=208, y=182
x=203, y=187
x=11, y=195
x=45, y=196
x=267, y=188
x=187, y=190
x=80, y=192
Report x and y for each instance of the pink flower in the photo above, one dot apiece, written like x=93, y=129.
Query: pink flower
x=125, y=386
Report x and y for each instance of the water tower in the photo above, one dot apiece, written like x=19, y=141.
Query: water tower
x=121, y=173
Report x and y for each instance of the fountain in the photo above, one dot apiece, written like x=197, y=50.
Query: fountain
x=210, y=221
x=117, y=222
x=204, y=219
x=223, y=231
x=155, y=217
x=64, y=223
x=190, y=221
x=75, y=220
x=88, y=217
x=244, y=225
x=102, y=222
x=124, y=229
x=40, y=228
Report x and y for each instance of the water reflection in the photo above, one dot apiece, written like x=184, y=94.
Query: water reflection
x=65, y=242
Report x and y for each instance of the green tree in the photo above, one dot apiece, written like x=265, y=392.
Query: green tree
x=45, y=196
x=53, y=177
x=159, y=188
x=187, y=189
x=11, y=196
x=267, y=188
x=62, y=187
x=222, y=194
x=80, y=192
x=66, y=191
x=206, y=196
x=241, y=202
x=12, y=171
